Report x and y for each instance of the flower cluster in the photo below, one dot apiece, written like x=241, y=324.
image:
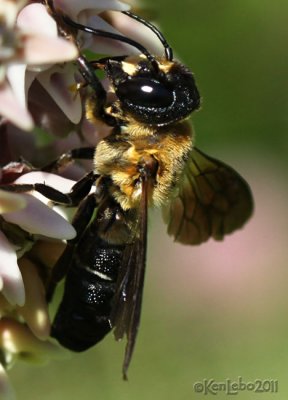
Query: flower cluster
x=38, y=93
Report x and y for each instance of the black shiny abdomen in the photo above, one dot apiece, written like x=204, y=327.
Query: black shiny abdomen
x=82, y=319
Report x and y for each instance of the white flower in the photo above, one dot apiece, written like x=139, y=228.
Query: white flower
x=58, y=80
x=34, y=217
x=22, y=292
x=18, y=340
x=26, y=40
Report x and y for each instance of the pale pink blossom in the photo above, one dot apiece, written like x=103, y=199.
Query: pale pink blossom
x=11, y=202
x=28, y=43
x=36, y=218
x=17, y=339
x=58, y=80
x=35, y=309
x=22, y=292
x=11, y=279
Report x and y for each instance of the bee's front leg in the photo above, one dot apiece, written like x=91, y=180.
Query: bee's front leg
x=78, y=192
x=98, y=98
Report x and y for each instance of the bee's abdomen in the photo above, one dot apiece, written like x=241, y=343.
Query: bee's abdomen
x=82, y=319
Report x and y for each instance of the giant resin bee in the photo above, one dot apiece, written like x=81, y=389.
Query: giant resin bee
x=149, y=159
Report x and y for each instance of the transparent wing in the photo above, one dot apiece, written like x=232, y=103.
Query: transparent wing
x=212, y=200
x=126, y=311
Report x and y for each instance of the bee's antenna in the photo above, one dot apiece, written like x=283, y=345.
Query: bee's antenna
x=114, y=36
x=168, y=49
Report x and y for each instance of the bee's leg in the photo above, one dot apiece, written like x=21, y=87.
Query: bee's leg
x=77, y=193
x=98, y=97
x=47, y=191
x=82, y=153
x=89, y=76
x=82, y=188
x=80, y=221
x=73, y=198
x=101, y=62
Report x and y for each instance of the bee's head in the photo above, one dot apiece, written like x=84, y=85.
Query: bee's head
x=153, y=96
x=151, y=90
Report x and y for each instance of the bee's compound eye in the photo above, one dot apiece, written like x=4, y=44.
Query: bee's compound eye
x=145, y=92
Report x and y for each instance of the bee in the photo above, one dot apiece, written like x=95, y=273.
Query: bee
x=148, y=160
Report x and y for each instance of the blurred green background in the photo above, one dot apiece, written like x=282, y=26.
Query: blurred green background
x=217, y=311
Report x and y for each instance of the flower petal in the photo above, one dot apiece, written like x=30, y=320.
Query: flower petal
x=57, y=182
x=35, y=309
x=74, y=7
x=139, y=32
x=17, y=339
x=37, y=218
x=16, y=76
x=48, y=115
x=58, y=82
x=64, y=230
x=104, y=45
x=35, y=18
x=11, y=109
x=11, y=202
x=41, y=43
x=13, y=288
x=42, y=49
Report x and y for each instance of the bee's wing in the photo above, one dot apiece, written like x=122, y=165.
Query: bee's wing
x=126, y=311
x=212, y=200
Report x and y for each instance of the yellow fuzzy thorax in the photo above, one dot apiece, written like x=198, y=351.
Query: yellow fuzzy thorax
x=120, y=156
